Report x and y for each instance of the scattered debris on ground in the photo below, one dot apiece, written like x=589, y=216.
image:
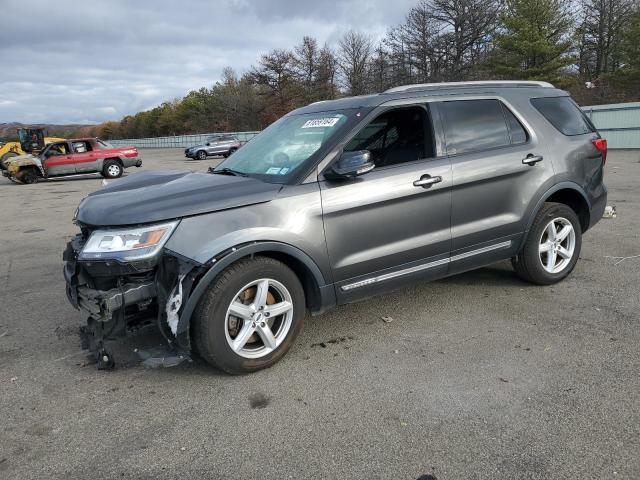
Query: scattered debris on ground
x=610, y=212
x=619, y=260
x=258, y=400
x=387, y=319
x=333, y=340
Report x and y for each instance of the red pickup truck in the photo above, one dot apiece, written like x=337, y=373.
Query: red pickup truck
x=73, y=157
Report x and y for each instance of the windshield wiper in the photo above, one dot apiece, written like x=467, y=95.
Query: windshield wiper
x=228, y=171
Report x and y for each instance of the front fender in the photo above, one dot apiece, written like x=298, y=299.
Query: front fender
x=241, y=251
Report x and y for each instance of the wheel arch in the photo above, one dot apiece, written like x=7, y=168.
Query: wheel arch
x=568, y=193
x=115, y=159
x=319, y=294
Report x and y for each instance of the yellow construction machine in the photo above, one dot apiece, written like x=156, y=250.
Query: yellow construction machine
x=30, y=140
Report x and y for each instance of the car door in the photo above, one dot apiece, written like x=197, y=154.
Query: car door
x=497, y=164
x=84, y=157
x=391, y=225
x=213, y=147
x=59, y=159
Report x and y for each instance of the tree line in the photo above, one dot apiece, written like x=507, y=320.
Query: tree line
x=589, y=47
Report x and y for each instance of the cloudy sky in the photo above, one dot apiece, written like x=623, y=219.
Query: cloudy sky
x=88, y=61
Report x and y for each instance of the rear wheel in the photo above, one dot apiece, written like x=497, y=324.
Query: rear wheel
x=201, y=155
x=112, y=169
x=552, y=247
x=250, y=316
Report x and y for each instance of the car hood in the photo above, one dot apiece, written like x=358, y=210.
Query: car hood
x=20, y=158
x=156, y=196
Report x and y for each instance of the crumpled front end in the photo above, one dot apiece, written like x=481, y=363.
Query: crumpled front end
x=121, y=298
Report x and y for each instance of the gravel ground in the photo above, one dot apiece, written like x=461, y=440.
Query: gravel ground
x=478, y=376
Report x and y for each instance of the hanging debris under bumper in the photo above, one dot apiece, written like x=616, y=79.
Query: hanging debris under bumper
x=122, y=298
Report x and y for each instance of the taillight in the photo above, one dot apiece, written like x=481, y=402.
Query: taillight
x=601, y=145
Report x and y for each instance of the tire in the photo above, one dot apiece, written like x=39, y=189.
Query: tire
x=112, y=169
x=6, y=157
x=201, y=155
x=545, y=260
x=230, y=152
x=29, y=176
x=215, y=330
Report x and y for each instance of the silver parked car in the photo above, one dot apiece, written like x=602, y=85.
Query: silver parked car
x=219, y=145
x=335, y=202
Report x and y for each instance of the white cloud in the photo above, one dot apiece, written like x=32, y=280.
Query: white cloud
x=92, y=61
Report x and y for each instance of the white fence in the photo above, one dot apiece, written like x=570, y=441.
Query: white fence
x=619, y=123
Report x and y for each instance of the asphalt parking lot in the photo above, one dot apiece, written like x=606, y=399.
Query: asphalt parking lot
x=478, y=376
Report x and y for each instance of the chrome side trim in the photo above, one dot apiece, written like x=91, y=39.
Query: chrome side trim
x=425, y=266
x=390, y=275
x=497, y=246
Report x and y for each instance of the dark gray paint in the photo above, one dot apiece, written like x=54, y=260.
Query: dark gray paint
x=155, y=196
x=378, y=225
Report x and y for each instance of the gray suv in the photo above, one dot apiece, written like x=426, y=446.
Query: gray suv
x=219, y=145
x=335, y=202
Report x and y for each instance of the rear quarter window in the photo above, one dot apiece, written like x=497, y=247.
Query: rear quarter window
x=564, y=115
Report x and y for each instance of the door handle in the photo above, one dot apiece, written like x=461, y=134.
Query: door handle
x=531, y=159
x=426, y=181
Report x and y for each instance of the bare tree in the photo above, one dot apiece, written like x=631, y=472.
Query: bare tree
x=354, y=53
x=326, y=83
x=465, y=27
x=306, y=64
x=600, y=35
x=275, y=76
x=379, y=70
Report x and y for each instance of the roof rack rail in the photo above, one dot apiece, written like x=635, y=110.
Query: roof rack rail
x=479, y=83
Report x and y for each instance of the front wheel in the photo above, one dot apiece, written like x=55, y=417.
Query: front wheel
x=250, y=316
x=552, y=247
x=201, y=155
x=28, y=176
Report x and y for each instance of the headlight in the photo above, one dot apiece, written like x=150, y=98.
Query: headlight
x=127, y=244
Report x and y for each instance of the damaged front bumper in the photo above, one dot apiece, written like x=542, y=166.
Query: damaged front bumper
x=119, y=299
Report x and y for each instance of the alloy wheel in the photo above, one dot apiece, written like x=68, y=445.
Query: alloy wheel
x=259, y=318
x=557, y=245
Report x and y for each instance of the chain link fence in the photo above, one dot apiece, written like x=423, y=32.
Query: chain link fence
x=178, y=141
x=618, y=123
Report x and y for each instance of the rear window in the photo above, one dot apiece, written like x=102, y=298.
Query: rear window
x=563, y=114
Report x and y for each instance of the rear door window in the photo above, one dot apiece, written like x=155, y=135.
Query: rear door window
x=473, y=125
x=563, y=114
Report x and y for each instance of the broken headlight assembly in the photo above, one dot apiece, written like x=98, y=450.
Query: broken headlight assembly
x=127, y=244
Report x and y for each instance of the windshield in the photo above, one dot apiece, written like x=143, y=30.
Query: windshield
x=104, y=144
x=280, y=149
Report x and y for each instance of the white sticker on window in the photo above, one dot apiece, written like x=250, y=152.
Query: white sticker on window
x=320, y=122
x=284, y=170
x=273, y=171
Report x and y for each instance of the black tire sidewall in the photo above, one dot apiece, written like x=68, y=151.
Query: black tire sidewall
x=531, y=249
x=201, y=155
x=214, y=309
x=105, y=170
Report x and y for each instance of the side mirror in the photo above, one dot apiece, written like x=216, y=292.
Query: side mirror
x=351, y=164
x=207, y=144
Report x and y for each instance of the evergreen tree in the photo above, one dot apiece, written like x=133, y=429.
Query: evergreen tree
x=534, y=42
